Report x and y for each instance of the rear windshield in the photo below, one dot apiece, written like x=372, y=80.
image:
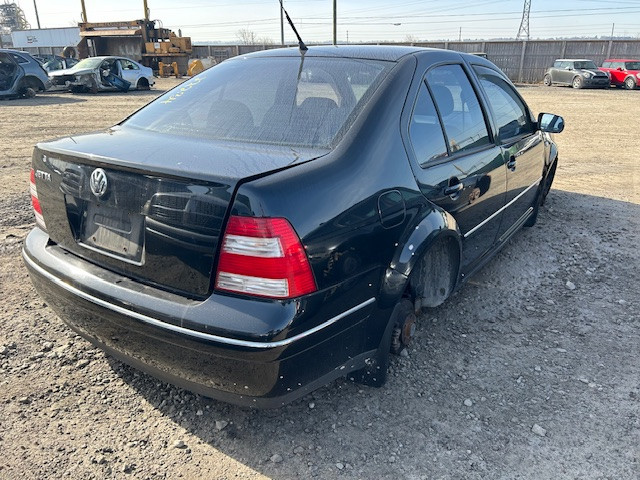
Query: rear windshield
x=278, y=100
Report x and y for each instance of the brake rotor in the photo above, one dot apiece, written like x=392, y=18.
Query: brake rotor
x=403, y=332
x=407, y=329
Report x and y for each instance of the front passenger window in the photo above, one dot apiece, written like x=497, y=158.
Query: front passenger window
x=511, y=116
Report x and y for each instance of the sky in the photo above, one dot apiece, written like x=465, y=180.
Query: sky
x=358, y=21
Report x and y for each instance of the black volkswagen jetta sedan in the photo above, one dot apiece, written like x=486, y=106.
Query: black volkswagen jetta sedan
x=276, y=221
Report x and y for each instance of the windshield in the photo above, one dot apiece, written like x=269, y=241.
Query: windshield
x=586, y=65
x=88, y=63
x=279, y=100
x=632, y=65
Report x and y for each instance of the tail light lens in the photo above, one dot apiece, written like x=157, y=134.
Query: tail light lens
x=37, y=209
x=263, y=257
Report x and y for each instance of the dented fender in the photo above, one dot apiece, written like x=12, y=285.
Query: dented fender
x=435, y=224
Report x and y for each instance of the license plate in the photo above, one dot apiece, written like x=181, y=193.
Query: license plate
x=117, y=233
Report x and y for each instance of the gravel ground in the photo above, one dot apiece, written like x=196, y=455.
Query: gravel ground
x=531, y=371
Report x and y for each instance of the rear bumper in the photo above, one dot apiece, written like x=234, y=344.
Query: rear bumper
x=247, y=352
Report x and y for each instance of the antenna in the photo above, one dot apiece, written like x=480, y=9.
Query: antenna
x=303, y=48
x=523, y=31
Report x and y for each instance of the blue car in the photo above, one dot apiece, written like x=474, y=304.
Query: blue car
x=21, y=75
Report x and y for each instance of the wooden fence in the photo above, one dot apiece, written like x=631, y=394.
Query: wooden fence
x=522, y=61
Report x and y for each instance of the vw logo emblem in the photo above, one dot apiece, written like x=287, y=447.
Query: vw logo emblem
x=98, y=182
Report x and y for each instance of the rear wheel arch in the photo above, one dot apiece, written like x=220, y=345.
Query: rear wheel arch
x=436, y=228
x=143, y=84
x=34, y=83
x=397, y=296
x=435, y=275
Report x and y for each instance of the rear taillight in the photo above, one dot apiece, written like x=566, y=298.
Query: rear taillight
x=263, y=257
x=37, y=209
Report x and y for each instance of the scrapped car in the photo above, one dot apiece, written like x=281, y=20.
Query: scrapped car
x=96, y=74
x=579, y=73
x=276, y=221
x=21, y=75
x=623, y=73
x=57, y=62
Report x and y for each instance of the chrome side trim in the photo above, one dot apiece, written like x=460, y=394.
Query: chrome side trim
x=498, y=212
x=186, y=331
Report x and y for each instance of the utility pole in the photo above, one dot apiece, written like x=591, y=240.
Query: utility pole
x=612, y=28
x=460, y=35
x=84, y=11
x=523, y=31
x=146, y=10
x=335, y=23
x=281, y=25
x=37, y=17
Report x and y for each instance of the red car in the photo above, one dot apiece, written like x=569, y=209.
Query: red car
x=623, y=73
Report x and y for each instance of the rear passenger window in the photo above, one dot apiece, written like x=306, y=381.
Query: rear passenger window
x=459, y=108
x=425, y=130
x=128, y=65
x=511, y=115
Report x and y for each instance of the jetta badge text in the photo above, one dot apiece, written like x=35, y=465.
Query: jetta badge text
x=98, y=182
x=43, y=175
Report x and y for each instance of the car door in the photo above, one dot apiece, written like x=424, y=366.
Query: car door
x=129, y=71
x=618, y=73
x=565, y=73
x=459, y=168
x=556, y=72
x=522, y=147
x=10, y=74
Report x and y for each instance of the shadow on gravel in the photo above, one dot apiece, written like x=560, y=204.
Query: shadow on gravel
x=529, y=370
x=45, y=99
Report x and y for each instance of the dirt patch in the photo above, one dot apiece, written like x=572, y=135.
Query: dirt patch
x=530, y=371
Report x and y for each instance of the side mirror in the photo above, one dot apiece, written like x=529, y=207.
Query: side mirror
x=619, y=69
x=567, y=68
x=548, y=122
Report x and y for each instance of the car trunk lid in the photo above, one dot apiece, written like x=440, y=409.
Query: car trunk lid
x=146, y=205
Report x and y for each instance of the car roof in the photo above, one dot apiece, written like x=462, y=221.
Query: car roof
x=622, y=60
x=574, y=60
x=390, y=53
x=12, y=50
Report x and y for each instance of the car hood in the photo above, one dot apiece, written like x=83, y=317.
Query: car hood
x=591, y=71
x=207, y=160
x=71, y=71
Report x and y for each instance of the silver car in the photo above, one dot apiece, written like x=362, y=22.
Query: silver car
x=21, y=75
x=104, y=73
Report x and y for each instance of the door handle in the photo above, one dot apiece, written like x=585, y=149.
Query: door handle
x=454, y=189
x=511, y=164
